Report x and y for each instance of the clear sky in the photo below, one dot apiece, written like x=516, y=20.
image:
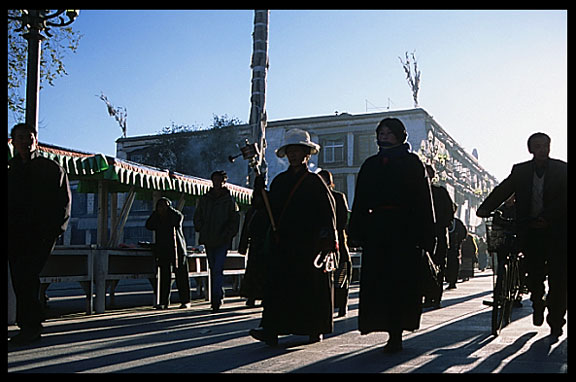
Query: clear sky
x=489, y=78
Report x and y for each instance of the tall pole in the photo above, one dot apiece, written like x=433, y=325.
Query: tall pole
x=34, y=39
x=259, y=68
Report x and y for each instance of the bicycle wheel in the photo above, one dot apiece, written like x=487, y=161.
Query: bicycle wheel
x=501, y=306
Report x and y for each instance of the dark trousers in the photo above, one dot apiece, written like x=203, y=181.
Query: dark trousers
x=452, y=265
x=439, y=258
x=182, y=281
x=27, y=259
x=545, y=254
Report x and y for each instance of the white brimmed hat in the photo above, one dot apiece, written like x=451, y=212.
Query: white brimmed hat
x=297, y=137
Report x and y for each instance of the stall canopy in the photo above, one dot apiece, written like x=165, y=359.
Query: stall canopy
x=122, y=175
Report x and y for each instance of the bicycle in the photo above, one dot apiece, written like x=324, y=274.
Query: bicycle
x=507, y=287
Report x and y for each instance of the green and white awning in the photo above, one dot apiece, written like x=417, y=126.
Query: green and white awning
x=123, y=174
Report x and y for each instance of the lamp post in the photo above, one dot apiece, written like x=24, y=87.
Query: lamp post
x=33, y=22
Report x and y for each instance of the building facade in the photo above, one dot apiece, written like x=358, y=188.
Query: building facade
x=346, y=141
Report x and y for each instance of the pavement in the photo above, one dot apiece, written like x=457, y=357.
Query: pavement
x=135, y=338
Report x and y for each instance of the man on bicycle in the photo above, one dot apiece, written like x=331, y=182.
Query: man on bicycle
x=540, y=187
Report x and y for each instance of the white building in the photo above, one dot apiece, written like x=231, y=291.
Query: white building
x=346, y=141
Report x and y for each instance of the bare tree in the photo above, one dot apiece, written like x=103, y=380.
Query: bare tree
x=120, y=114
x=412, y=75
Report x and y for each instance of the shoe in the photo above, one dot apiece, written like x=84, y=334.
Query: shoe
x=393, y=347
x=556, y=332
x=161, y=307
x=538, y=315
x=451, y=286
x=185, y=305
x=342, y=312
x=215, y=308
x=26, y=337
x=263, y=336
x=315, y=338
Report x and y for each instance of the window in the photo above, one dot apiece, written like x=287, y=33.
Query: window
x=333, y=150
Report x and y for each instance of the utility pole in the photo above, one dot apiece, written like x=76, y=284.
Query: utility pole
x=259, y=66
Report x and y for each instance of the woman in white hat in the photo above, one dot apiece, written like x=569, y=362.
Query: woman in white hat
x=298, y=297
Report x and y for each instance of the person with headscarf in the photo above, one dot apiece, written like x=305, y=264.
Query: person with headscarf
x=393, y=219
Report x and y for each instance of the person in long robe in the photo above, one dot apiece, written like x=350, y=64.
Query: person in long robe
x=299, y=294
x=392, y=217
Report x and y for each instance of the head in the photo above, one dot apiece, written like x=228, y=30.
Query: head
x=327, y=177
x=218, y=179
x=391, y=132
x=162, y=205
x=297, y=154
x=24, y=139
x=539, y=146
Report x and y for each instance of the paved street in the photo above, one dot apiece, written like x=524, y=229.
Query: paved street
x=453, y=339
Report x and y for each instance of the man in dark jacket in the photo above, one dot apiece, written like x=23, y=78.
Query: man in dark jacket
x=217, y=220
x=170, y=252
x=540, y=187
x=39, y=204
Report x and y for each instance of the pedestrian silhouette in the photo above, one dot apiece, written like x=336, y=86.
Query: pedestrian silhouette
x=443, y=214
x=540, y=188
x=343, y=274
x=217, y=220
x=170, y=252
x=393, y=219
x=298, y=297
x=39, y=203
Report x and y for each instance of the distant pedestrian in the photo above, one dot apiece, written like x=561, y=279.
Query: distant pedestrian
x=170, y=252
x=217, y=220
x=39, y=203
x=443, y=214
x=253, y=244
x=482, y=254
x=343, y=274
x=298, y=298
x=392, y=218
x=540, y=187
x=456, y=234
x=469, y=257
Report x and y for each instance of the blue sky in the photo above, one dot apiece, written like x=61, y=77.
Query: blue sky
x=490, y=78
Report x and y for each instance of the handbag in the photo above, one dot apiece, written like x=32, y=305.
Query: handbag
x=430, y=275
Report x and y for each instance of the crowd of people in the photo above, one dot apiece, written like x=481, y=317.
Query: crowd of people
x=296, y=236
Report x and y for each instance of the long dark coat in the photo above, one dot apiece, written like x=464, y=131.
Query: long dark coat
x=299, y=297
x=169, y=236
x=393, y=219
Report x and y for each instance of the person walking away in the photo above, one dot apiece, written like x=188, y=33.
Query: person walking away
x=253, y=244
x=469, y=257
x=392, y=217
x=299, y=292
x=170, y=252
x=343, y=274
x=39, y=203
x=444, y=214
x=217, y=220
x=456, y=234
x=540, y=188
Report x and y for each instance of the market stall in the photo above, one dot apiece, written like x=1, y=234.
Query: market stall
x=101, y=265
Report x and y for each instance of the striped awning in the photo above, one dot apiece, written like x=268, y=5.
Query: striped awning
x=123, y=174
